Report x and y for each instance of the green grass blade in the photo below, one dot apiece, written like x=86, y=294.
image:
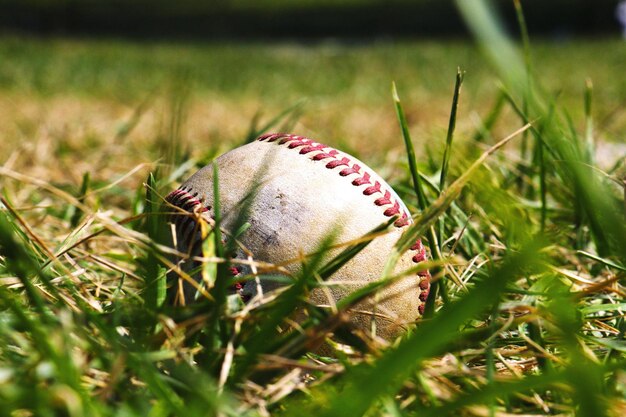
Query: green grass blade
x=439, y=206
x=365, y=383
x=496, y=44
x=265, y=337
x=422, y=202
x=451, y=127
x=589, y=140
x=350, y=252
x=153, y=272
x=604, y=261
x=490, y=393
x=84, y=189
x=603, y=212
x=521, y=21
x=21, y=263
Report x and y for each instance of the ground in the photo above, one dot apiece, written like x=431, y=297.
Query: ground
x=530, y=244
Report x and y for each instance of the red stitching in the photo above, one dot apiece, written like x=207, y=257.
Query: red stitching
x=324, y=152
x=365, y=179
x=271, y=137
x=185, y=200
x=417, y=245
x=312, y=148
x=384, y=200
x=402, y=221
x=301, y=142
x=392, y=211
x=373, y=189
x=338, y=162
x=307, y=146
x=421, y=256
x=354, y=169
x=331, y=154
x=424, y=284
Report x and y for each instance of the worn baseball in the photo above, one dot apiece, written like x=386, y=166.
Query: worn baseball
x=305, y=191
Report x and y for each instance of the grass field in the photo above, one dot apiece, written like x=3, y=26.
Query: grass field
x=530, y=255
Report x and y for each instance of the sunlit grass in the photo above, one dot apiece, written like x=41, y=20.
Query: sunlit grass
x=530, y=238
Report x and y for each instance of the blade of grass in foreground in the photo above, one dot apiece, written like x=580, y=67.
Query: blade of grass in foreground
x=19, y=260
x=294, y=343
x=603, y=212
x=434, y=237
x=589, y=141
x=606, y=262
x=441, y=283
x=422, y=202
x=521, y=21
x=284, y=306
x=152, y=272
x=493, y=392
x=84, y=189
x=364, y=384
x=601, y=209
x=439, y=206
x=585, y=375
x=44, y=321
x=451, y=127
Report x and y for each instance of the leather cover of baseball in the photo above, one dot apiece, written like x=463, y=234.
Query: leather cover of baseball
x=305, y=192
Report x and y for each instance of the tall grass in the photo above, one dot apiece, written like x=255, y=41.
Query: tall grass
x=529, y=245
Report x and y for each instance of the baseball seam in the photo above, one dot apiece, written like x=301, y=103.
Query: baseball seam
x=188, y=201
x=329, y=155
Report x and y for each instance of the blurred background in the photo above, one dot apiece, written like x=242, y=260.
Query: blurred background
x=304, y=19
x=131, y=77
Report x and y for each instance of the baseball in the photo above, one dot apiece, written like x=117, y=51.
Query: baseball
x=305, y=191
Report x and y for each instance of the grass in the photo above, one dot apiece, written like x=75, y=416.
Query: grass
x=529, y=235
